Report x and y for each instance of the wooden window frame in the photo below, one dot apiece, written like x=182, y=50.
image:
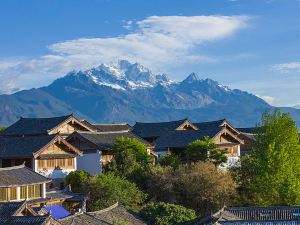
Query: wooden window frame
x=4, y=192
x=22, y=191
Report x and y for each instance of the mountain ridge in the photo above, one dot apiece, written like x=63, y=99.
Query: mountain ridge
x=131, y=92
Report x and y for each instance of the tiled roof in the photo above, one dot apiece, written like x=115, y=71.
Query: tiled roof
x=8, y=209
x=115, y=214
x=155, y=129
x=210, y=124
x=23, y=146
x=106, y=139
x=248, y=130
x=181, y=138
x=20, y=175
x=31, y=126
x=25, y=220
x=254, y=215
x=112, y=127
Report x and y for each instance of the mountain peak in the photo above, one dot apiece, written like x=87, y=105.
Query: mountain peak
x=191, y=78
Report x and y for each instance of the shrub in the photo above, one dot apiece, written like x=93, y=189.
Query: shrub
x=107, y=189
x=200, y=186
x=167, y=214
x=77, y=180
x=171, y=160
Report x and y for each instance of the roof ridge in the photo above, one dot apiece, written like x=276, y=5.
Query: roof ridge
x=103, y=132
x=109, y=124
x=162, y=122
x=13, y=167
x=36, y=118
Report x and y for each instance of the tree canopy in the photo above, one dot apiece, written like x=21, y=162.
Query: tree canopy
x=107, y=189
x=270, y=173
x=77, y=180
x=200, y=186
x=205, y=150
x=130, y=160
x=167, y=214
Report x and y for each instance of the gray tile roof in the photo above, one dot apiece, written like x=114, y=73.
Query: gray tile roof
x=109, y=127
x=181, y=138
x=20, y=175
x=210, y=124
x=254, y=215
x=248, y=130
x=112, y=127
x=31, y=126
x=24, y=220
x=8, y=209
x=115, y=214
x=105, y=139
x=155, y=129
x=22, y=146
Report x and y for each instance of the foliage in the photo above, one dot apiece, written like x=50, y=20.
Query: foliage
x=167, y=214
x=200, y=186
x=107, y=189
x=77, y=179
x=205, y=150
x=171, y=160
x=2, y=128
x=130, y=160
x=270, y=173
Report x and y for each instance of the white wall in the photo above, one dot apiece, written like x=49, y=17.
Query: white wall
x=90, y=162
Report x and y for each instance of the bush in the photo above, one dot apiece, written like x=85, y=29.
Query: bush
x=130, y=160
x=167, y=214
x=77, y=180
x=205, y=150
x=107, y=189
x=200, y=186
x=169, y=160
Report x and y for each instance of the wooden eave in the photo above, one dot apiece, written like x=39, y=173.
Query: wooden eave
x=80, y=137
x=58, y=139
x=231, y=127
x=187, y=122
x=224, y=130
x=72, y=119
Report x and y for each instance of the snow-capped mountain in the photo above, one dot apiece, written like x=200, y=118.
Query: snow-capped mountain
x=131, y=92
x=125, y=75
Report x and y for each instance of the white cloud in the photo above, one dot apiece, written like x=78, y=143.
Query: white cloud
x=287, y=67
x=157, y=41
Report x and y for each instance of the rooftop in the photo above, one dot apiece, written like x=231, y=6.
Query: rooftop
x=116, y=214
x=20, y=175
x=105, y=139
x=31, y=126
x=155, y=129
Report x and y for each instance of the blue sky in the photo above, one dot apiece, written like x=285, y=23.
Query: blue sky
x=251, y=45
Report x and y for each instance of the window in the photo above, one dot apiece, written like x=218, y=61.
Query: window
x=13, y=193
x=70, y=162
x=31, y=191
x=23, y=192
x=51, y=163
x=37, y=191
x=41, y=163
x=3, y=194
x=61, y=163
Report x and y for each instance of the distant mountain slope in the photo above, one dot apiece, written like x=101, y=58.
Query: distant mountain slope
x=131, y=92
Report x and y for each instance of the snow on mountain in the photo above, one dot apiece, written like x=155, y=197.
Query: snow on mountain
x=125, y=75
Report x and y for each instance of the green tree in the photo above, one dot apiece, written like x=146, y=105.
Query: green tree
x=205, y=150
x=200, y=186
x=130, y=160
x=170, y=159
x=2, y=128
x=107, y=189
x=270, y=173
x=77, y=180
x=167, y=214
